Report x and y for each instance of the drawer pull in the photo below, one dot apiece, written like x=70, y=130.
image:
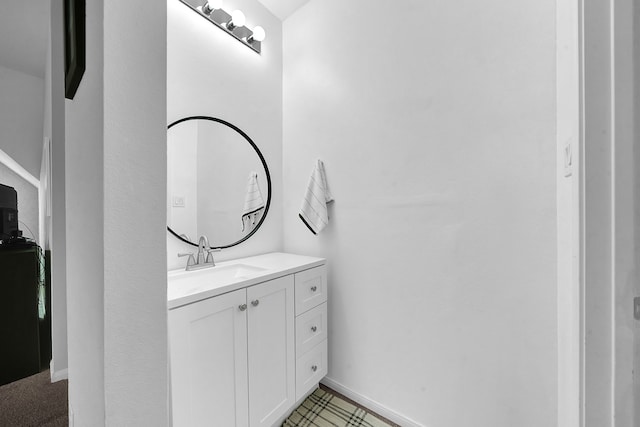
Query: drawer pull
x=314, y=328
x=314, y=368
x=255, y=303
x=314, y=288
x=242, y=307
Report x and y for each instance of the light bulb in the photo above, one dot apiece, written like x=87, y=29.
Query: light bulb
x=211, y=5
x=237, y=19
x=258, y=34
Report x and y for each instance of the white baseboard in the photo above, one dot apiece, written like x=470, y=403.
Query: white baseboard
x=370, y=404
x=56, y=376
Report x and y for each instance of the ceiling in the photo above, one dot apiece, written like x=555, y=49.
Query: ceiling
x=283, y=8
x=24, y=29
x=24, y=32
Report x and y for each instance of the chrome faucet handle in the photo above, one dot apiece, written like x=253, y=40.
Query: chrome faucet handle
x=191, y=260
x=210, y=255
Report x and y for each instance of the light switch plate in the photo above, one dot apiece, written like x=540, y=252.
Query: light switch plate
x=636, y=308
x=178, y=201
x=568, y=158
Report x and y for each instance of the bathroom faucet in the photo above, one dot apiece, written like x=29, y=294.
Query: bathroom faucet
x=203, y=245
x=203, y=259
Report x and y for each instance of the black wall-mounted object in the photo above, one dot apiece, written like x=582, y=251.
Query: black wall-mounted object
x=74, y=45
x=8, y=211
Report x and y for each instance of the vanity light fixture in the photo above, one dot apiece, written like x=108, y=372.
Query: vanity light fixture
x=237, y=20
x=257, y=36
x=210, y=6
x=232, y=24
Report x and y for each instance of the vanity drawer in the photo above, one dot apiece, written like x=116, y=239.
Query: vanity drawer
x=311, y=328
x=311, y=288
x=310, y=368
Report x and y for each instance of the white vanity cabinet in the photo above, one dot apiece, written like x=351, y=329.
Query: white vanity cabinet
x=244, y=358
x=271, y=350
x=233, y=349
x=208, y=360
x=311, y=329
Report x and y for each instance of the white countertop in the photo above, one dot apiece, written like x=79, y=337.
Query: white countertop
x=186, y=287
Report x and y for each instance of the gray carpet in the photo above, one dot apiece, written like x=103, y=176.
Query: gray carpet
x=34, y=402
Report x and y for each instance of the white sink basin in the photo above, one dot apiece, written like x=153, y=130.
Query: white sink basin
x=185, y=287
x=214, y=275
x=184, y=283
x=235, y=271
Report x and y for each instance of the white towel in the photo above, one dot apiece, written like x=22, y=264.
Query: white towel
x=313, y=211
x=253, y=201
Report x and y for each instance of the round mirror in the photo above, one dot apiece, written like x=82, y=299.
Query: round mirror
x=218, y=183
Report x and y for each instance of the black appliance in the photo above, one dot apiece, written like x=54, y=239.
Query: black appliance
x=8, y=212
x=25, y=319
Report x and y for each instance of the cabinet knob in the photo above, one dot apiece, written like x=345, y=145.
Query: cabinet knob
x=242, y=307
x=255, y=303
x=314, y=328
x=314, y=368
x=314, y=288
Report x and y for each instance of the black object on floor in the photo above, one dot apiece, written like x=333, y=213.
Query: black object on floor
x=22, y=313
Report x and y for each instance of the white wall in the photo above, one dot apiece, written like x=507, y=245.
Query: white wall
x=135, y=188
x=115, y=188
x=209, y=73
x=182, y=173
x=438, y=136
x=54, y=128
x=85, y=243
x=22, y=118
x=21, y=127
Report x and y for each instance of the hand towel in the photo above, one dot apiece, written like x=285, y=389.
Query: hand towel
x=253, y=201
x=313, y=211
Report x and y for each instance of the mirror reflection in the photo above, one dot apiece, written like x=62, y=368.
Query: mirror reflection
x=218, y=183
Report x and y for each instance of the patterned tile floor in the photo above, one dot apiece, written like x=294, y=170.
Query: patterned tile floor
x=326, y=408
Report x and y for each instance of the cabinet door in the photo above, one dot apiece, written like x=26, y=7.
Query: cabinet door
x=271, y=350
x=208, y=343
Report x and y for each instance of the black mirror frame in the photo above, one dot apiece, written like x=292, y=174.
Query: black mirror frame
x=264, y=164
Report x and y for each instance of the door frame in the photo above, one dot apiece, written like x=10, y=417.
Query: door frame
x=606, y=262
